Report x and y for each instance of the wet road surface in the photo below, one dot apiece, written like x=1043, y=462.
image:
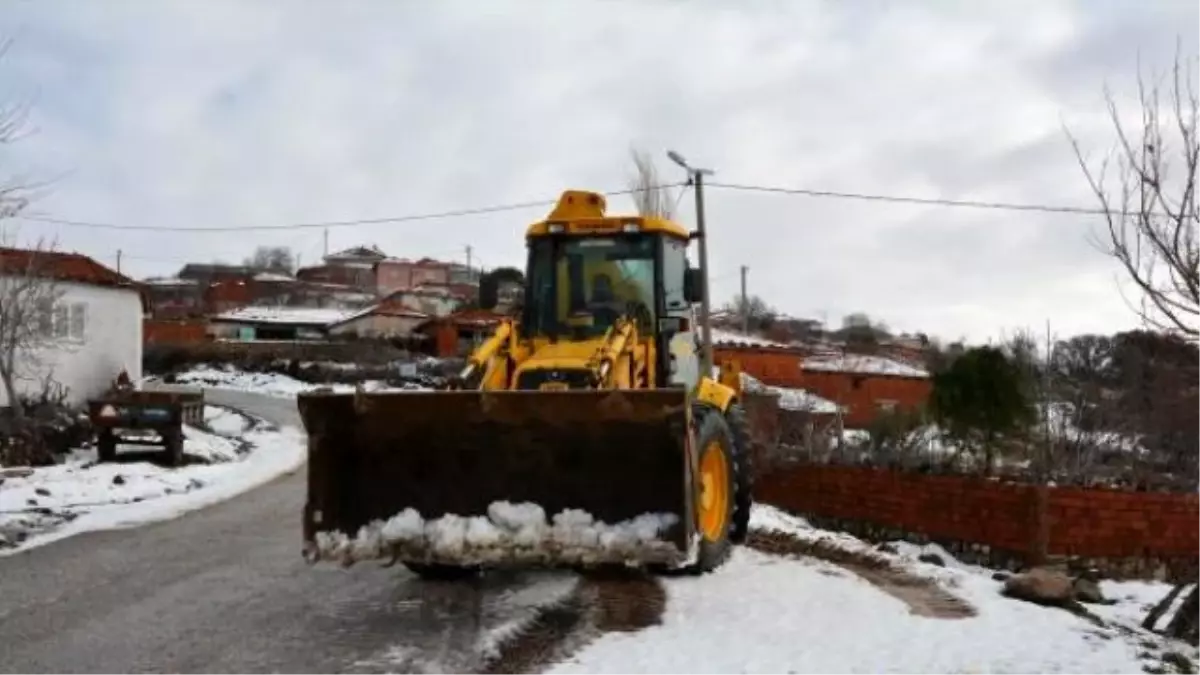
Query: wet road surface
x=224, y=589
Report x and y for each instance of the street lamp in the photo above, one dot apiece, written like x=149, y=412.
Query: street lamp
x=696, y=180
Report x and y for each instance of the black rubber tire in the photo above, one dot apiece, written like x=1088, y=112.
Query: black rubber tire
x=106, y=447
x=433, y=572
x=743, y=472
x=711, y=425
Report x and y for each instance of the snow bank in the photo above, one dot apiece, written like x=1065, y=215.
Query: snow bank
x=81, y=495
x=269, y=384
x=509, y=533
x=789, y=399
x=764, y=613
x=1062, y=419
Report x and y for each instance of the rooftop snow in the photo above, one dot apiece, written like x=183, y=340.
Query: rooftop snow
x=792, y=399
x=170, y=281
x=288, y=315
x=719, y=336
x=862, y=364
x=273, y=277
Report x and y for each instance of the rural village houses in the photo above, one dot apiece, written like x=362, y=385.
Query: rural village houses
x=356, y=292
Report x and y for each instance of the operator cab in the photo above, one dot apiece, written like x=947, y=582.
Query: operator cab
x=586, y=270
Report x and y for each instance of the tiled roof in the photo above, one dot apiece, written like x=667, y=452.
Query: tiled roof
x=73, y=267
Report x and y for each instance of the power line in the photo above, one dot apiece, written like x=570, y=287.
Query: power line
x=1001, y=206
x=457, y=213
x=516, y=206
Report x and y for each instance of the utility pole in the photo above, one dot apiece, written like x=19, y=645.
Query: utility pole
x=696, y=179
x=118, y=261
x=745, y=303
x=1047, y=439
x=468, y=260
x=326, y=247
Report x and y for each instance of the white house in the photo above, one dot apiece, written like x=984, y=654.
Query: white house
x=93, y=331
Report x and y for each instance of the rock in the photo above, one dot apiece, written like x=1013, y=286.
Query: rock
x=1179, y=661
x=1087, y=590
x=887, y=547
x=42, y=491
x=1041, y=586
x=1002, y=576
x=118, y=480
x=932, y=559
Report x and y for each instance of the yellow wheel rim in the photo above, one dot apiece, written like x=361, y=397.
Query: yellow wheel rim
x=714, y=492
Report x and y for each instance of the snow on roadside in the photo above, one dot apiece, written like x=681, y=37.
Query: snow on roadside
x=81, y=495
x=764, y=613
x=225, y=421
x=269, y=384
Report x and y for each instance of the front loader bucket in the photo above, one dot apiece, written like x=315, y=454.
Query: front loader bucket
x=498, y=479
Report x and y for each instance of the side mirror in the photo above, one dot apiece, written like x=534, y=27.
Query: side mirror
x=693, y=284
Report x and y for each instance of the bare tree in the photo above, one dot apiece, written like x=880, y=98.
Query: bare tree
x=29, y=322
x=1152, y=216
x=650, y=196
x=28, y=291
x=761, y=314
x=279, y=259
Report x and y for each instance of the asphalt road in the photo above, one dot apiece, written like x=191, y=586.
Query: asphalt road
x=225, y=589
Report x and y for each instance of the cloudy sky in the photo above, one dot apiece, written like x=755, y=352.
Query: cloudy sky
x=252, y=113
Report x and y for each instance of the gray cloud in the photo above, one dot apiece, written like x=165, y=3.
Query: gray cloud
x=223, y=113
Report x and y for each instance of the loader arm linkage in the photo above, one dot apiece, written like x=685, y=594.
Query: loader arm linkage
x=620, y=342
x=482, y=356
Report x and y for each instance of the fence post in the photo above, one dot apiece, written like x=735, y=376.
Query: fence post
x=1039, y=524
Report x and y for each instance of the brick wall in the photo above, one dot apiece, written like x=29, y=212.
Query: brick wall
x=862, y=395
x=1126, y=534
x=167, y=331
x=779, y=367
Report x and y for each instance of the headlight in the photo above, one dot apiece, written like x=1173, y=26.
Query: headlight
x=631, y=227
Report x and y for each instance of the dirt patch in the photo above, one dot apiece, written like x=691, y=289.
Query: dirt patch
x=626, y=603
x=602, y=603
x=923, y=596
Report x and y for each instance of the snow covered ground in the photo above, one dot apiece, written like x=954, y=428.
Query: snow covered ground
x=234, y=454
x=765, y=613
x=269, y=384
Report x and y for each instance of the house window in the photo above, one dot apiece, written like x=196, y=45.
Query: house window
x=886, y=405
x=62, y=321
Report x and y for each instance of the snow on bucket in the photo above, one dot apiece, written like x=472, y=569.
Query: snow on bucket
x=498, y=478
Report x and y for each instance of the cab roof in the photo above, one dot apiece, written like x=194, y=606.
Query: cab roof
x=580, y=212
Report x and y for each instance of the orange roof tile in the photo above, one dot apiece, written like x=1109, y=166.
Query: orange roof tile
x=74, y=267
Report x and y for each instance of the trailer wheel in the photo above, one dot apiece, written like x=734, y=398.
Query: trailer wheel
x=715, y=494
x=173, y=448
x=434, y=572
x=106, y=446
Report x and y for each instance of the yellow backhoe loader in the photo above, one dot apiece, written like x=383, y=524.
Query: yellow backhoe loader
x=583, y=434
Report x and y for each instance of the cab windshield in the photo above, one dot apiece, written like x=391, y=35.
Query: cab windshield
x=580, y=286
